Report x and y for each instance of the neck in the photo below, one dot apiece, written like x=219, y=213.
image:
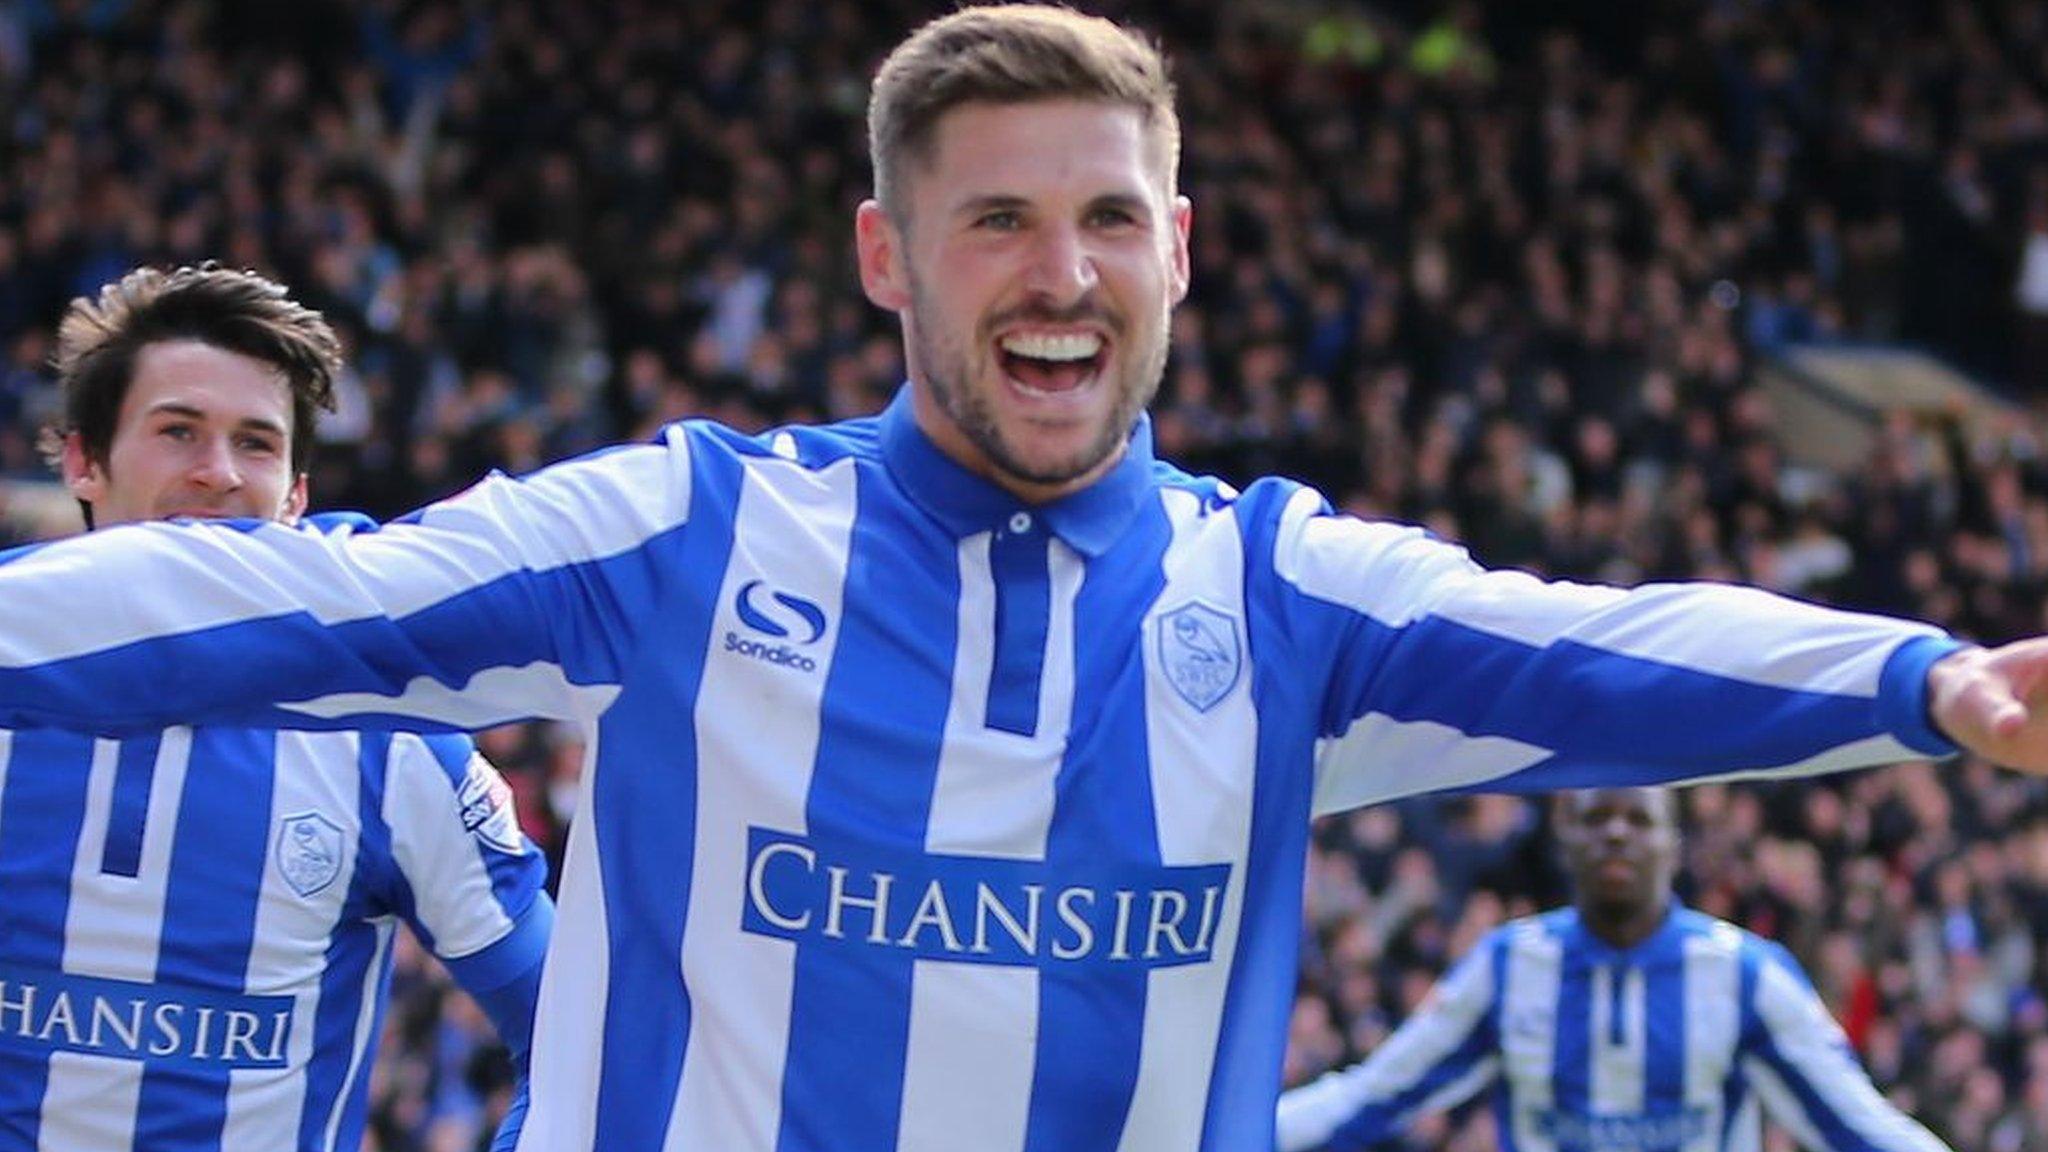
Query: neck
x=947, y=436
x=1623, y=927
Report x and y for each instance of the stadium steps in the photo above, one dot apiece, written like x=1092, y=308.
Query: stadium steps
x=1829, y=399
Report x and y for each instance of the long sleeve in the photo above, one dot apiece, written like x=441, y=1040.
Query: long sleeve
x=1804, y=1071
x=1437, y=1059
x=1444, y=676
x=517, y=598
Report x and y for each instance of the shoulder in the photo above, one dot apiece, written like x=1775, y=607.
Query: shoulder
x=809, y=446
x=449, y=755
x=444, y=773
x=1540, y=935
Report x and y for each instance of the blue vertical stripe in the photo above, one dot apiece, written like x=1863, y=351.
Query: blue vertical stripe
x=880, y=738
x=644, y=804
x=354, y=945
x=1023, y=579
x=41, y=813
x=1092, y=1019
x=352, y=953
x=209, y=921
x=134, y=768
x=1571, y=1067
x=1253, y=1040
x=1664, y=1031
x=1502, y=1104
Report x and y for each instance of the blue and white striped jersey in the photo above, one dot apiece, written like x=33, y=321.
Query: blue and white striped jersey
x=1669, y=1046
x=912, y=812
x=195, y=926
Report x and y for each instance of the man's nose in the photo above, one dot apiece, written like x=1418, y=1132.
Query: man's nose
x=1063, y=269
x=216, y=467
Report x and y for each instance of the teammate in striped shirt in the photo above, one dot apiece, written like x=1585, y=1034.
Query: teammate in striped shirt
x=950, y=771
x=1625, y=1022
x=196, y=923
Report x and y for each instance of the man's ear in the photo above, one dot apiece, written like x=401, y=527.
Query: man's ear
x=84, y=479
x=294, y=501
x=1183, y=224
x=884, y=265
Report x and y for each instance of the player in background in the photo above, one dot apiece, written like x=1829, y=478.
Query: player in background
x=1624, y=1021
x=196, y=923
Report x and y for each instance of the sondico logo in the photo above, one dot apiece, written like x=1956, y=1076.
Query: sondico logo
x=782, y=617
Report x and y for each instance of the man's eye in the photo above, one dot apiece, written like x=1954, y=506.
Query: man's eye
x=179, y=432
x=1004, y=221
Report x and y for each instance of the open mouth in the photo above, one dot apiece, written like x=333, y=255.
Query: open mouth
x=1052, y=364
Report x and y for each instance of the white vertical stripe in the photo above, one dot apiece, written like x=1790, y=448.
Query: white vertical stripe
x=6, y=758
x=112, y=928
x=112, y=924
x=567, y=1054
x=91, y=1102
x=1202, y=765
x=360, y=1040
x=973, y=1028
x=795, y=533
x=1528, y=1023
x=316, y=772
x=1620, y=1070
x=1712, y=1024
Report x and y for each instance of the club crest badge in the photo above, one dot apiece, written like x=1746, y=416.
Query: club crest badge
x=1200, y=653
x=308, y=852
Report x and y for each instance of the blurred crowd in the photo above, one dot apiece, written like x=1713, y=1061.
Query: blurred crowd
x=1509, y=271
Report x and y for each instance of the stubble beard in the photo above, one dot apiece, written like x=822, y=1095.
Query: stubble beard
x=947, y=369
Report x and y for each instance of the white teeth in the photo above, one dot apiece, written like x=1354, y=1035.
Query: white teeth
x=1053, y=346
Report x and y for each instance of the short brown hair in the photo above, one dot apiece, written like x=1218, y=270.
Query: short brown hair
x=237, y=311
x=1010, y=54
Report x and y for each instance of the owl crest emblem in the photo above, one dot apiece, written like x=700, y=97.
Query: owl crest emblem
x=308, y=852
x=1200, y=653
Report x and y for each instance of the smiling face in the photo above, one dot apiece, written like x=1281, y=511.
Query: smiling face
x=202, y=432
x=1035, y=260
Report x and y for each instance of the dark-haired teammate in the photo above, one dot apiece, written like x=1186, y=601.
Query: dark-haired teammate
x=196, y=923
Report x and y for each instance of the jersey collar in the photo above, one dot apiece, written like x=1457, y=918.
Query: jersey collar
x=1090, y=520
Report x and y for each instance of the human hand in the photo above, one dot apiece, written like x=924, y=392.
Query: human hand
x=1994, y=702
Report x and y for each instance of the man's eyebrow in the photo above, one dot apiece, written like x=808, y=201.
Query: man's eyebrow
x=180, y=408
x=990, y=202
x=979, y=203
x=1128, y=201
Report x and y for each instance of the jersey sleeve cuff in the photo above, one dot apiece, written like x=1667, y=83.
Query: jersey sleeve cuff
x=511, y=955
x=1902, y=695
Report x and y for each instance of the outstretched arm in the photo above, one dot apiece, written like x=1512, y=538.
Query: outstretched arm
x=1804, y=1071
x=517, y=598
x=1500, y=681
x=1438, y=1058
